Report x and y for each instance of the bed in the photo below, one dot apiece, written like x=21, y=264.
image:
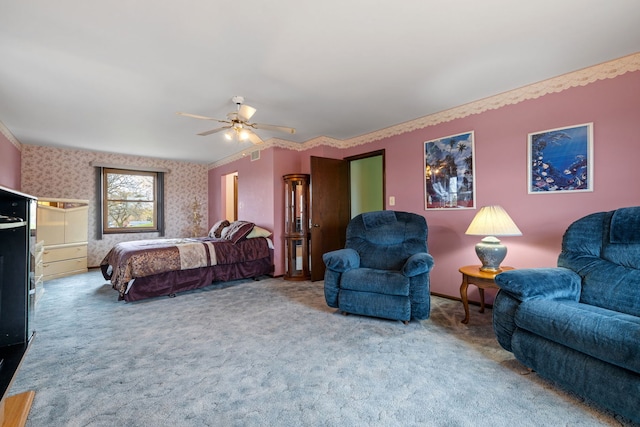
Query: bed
x=149, y=268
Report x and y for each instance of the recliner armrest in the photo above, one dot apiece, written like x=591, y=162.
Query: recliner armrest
x=541, y=283
x=417, y=264
x=342, y=260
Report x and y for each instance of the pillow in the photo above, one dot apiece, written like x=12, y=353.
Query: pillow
x=237, y=231
x=258, y=232
x=216, y=230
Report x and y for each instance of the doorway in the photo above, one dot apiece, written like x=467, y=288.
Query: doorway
x=230, y=196
x=366, y=179
x=333, y=196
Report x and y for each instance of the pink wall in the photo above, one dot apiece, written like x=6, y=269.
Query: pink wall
x=613, y=105
x=10, y=160
x=260, y=193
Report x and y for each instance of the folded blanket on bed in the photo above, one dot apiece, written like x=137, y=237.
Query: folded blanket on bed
x=195, y=255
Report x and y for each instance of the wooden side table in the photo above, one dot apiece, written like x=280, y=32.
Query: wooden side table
x=471, y=274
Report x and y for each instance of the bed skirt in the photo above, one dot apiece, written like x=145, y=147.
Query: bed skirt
x=172, y=282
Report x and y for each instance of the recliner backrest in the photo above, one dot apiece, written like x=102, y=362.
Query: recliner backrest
x=604, y=249
x=385, y=239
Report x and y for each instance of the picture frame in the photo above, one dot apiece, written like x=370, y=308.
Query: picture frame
x=560, y=160
x=449, y=172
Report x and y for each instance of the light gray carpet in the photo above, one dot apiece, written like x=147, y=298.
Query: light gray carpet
x=271, y=353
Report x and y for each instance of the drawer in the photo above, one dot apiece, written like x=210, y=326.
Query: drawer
x=64, y=268
x=58, y=254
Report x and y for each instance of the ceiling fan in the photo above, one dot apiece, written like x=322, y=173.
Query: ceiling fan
x=238, y=124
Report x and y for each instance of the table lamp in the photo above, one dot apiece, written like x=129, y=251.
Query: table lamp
x=492, y=221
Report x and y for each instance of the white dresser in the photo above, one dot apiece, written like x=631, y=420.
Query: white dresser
x=62, y=224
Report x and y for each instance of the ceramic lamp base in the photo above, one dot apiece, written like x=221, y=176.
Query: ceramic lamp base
x=491, y=253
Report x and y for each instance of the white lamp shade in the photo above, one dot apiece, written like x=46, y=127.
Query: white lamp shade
x=493, y=221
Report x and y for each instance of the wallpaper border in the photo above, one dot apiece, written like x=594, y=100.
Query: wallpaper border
x=7, y=133
x=583, y=77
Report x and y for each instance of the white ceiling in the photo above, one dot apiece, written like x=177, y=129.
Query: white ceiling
x=111, y=75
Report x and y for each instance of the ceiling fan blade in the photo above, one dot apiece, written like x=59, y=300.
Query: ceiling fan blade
x=253, y=137
x=212, y=131
x=195, y=116
x=246, y=112
x=273, y=127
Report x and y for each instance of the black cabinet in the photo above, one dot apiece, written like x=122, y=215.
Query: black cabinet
x=17, y=290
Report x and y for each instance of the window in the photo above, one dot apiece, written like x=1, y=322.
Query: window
x=131, y=201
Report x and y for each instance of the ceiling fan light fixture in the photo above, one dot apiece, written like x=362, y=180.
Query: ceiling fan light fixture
x=238, y=126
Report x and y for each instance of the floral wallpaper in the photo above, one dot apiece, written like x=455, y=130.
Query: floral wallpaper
x=59, y=173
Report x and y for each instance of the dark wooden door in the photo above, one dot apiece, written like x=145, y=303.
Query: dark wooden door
x=330, y=212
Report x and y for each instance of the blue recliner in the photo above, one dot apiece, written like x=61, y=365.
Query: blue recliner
x=578, y=325
x=383, y=271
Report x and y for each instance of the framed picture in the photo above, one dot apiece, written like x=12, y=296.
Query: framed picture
x=561, y=160
x=449, y=173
